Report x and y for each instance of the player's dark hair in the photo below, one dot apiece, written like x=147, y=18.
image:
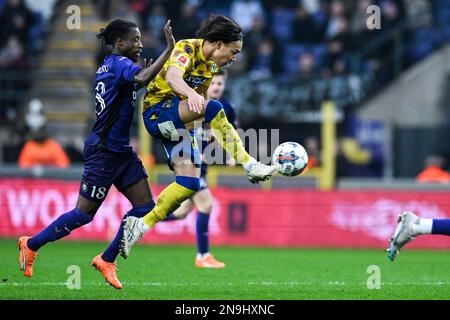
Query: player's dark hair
x=220, y=28
x=115, y=29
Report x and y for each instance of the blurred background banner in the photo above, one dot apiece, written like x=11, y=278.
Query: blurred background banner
x=305, y=218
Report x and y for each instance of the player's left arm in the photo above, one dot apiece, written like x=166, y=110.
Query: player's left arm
x=150, y=69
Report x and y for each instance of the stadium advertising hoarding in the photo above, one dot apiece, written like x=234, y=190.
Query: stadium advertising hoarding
x=278, y=217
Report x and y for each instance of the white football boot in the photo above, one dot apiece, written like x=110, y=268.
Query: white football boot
x=403, y=233
x=133, y=230
x=257, y=171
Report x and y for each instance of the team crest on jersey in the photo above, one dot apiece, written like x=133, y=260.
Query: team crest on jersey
x=214, y=68
x=187, y=49
x=84, y=187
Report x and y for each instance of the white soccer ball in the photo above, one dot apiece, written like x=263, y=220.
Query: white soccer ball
x=291, y=157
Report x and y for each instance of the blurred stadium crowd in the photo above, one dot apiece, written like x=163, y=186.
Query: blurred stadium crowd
x=323, y=47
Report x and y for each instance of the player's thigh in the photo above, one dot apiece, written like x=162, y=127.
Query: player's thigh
x=88, y=206
x=185, y=208
x=186, y=169
x=203, y=200
x=138, y=193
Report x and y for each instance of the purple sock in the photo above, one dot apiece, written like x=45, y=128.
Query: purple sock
x=112, y=251
x=441, y=226
x=60, y=228
x=202, y=232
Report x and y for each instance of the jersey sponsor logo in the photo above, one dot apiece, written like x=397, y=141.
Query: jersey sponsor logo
x=182, y=61
x=194, y=81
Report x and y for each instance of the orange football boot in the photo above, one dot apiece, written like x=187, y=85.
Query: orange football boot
x=108, y=270
x=26, y=257
x=208, y=261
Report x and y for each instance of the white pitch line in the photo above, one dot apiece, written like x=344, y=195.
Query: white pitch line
x=252, y=283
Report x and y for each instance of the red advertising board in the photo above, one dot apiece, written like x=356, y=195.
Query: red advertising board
x=282, y=217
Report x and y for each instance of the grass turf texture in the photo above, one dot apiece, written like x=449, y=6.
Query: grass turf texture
x=168, y=273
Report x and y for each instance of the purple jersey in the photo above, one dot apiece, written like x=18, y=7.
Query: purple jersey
x=115, y=101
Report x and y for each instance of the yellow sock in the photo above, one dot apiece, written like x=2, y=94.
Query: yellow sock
x=168, y=201
x=229, y=138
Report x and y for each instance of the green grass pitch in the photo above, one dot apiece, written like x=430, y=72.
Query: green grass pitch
x=168, y=273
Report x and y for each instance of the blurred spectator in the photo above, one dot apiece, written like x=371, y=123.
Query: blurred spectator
x=264, y=63
x=335, y=61
x=12, y=54
x=434, y=172
x=255, y=36
x=304, y=27
x=359, y=17
x=141, y=8
x=312, y=148
x=245, y=11
x=185, y=26
x=306, y=67
x=40, y=150
x=311, y=6
x=12, y=60
x=156, y=21
x=44, y=7
x=391, y=13
x=15, y=19
x=337, y=22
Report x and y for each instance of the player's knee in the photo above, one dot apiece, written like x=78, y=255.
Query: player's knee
x=182, y=215
x=192, y=183
x=213, y=107
x=205, y=206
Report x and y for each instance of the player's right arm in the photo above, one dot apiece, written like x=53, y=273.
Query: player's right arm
x=150, y=70
x=175, y=81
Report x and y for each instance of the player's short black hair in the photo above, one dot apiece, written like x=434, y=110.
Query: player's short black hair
x=115, y=29
x=220, y=28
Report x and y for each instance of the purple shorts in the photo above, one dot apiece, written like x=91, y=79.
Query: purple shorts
x=103, y=168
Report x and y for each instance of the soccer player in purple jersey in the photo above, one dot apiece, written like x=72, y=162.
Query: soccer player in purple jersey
x=108, y=156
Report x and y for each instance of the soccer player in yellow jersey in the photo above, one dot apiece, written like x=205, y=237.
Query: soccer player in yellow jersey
x=175, y=100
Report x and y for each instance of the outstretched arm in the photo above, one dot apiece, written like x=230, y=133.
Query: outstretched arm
x=151, y=69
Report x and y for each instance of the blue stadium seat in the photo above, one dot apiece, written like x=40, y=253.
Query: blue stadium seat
x=291, y=54
x=281, y=24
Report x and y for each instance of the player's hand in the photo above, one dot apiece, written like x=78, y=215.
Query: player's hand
x=170, y=40
x=196, y=102
x=143, y=63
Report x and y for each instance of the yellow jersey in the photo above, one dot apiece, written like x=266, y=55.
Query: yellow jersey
x=198, y=72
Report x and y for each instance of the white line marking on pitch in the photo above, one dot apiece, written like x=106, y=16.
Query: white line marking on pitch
x=252, y=283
